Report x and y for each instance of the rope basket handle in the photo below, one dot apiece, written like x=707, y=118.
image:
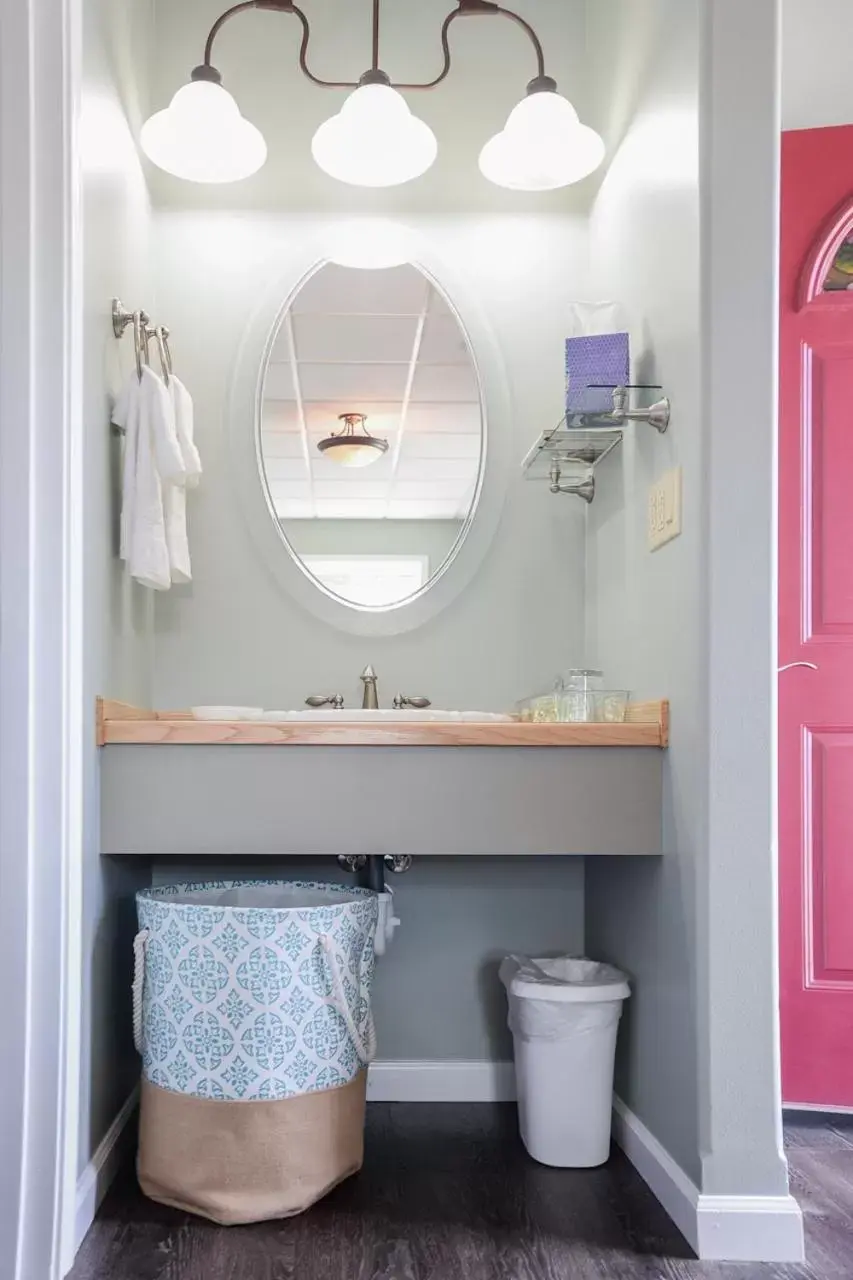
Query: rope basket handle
x=138, y=982
x=366, y=1050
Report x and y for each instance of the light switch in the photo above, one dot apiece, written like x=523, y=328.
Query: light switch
x=664, y=520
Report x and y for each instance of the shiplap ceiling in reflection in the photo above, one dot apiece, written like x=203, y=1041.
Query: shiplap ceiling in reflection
x=383, y=343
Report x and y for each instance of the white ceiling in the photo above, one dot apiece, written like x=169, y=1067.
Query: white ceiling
x=382, y=343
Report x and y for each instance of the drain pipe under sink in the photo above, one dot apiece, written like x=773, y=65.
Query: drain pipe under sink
x=370, y=870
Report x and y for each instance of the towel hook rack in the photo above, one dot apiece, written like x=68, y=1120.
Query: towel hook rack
x=143, y=332
x=140, y=320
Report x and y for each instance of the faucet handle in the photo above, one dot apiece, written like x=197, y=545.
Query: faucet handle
x=419, y=704
x=335, y=700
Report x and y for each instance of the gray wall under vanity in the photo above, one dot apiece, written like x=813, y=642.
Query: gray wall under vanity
x=437, y=995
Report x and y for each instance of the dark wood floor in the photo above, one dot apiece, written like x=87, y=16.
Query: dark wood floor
x=448, y=1193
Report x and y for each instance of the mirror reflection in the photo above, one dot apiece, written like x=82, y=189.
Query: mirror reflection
x=371, y=431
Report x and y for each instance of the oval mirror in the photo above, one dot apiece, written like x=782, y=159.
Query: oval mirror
x=371, y=433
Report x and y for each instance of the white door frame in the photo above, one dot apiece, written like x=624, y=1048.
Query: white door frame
x=41, y=602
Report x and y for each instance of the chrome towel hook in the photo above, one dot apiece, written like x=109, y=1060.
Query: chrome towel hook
x=156, y=332
x=143, y=331
x=165, y=360
x=121, y=319
x=165, y=333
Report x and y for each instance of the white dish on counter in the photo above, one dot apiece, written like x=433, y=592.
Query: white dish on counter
x=227, y=713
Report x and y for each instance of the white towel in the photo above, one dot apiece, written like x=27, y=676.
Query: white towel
x=175, y=497
x=152, y=457
x=182, y=400
x=126, y=415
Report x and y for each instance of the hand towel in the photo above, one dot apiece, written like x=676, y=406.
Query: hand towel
x=126, y=415
x=175, y=496
x=144, y=409
x=182, y=401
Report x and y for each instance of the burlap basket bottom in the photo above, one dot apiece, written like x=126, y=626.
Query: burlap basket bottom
x=237, y=1162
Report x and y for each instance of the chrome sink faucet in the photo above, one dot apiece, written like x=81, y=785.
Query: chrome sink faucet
x=370, y=701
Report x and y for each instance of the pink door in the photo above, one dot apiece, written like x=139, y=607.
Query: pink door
x=816, y=617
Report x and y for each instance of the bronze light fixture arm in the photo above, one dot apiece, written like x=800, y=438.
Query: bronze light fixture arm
x=207, y=71
x=480, y=8
x=465, y=8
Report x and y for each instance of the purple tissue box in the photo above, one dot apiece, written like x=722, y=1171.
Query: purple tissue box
x=601, y=358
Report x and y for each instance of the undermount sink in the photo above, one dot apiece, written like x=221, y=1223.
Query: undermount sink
x=381, y=716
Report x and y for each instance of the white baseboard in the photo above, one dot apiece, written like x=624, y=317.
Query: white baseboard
x=820, y=1107
x=678, y=1194
x=441, y=1081
x=718, y=1228
x=94, y=1181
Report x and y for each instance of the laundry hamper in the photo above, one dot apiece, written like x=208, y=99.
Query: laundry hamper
x=252, y=1014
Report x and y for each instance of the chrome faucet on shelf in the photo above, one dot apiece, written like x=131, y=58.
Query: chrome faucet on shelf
x=370, y=700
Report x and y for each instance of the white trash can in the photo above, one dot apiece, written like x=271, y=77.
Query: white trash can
x=564, y=1014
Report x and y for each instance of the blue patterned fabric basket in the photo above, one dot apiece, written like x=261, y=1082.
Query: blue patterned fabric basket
x=254, y=989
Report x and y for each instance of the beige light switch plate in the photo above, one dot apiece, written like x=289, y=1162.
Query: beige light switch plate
x=664, y=518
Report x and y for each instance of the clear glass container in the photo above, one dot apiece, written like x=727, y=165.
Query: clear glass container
x=576, y=698
x=578, y=689
x=544, y=708
x=611, y=706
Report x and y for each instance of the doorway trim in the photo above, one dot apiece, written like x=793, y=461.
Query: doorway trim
x=41, y=617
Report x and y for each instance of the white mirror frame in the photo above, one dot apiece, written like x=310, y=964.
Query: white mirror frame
x=244, y=438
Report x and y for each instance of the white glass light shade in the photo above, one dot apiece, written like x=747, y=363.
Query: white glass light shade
x=374, y=140
x=202, y=137
x=542, y=146
x=352, y=452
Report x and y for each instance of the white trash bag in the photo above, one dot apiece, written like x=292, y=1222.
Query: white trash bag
x=564, y=1015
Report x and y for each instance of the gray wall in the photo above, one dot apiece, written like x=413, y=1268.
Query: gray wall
x=698, y=1060
x=737, y=1002
x=817, y=88
x=118, y=618
x=437, y=994
x=233, y=635
x=645, y=613
x=431, y=538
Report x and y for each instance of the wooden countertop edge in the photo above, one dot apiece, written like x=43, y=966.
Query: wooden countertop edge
x=120, y=723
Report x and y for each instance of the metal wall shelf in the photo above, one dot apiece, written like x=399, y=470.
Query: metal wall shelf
x=583, y=438
x=570, y=446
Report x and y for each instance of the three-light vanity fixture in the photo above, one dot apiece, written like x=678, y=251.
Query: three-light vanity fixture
x=374, y=140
